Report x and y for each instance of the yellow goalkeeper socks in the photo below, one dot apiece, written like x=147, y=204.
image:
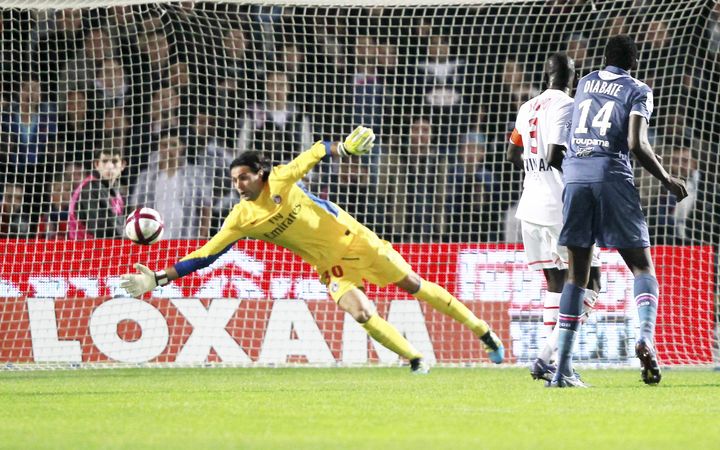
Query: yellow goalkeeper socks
x=440, y=299
x=386, y=334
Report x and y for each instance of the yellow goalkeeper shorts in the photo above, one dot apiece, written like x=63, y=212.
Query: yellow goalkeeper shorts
x=368, y=258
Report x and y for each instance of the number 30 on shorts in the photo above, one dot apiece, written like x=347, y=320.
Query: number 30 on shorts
x=337, y=272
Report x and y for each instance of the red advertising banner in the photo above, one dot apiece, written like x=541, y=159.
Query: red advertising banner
x=61, y=302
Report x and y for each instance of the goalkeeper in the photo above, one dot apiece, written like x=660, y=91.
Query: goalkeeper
x=275, y=207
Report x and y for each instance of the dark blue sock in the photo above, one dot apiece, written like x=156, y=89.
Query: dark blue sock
x=571, y=306
x=646, y=291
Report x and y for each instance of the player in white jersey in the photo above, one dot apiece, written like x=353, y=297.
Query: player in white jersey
x=542, y=125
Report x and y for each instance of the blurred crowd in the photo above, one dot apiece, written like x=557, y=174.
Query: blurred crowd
x=104, y=110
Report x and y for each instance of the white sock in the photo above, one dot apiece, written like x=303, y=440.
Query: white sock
x=549, y=350
x=551, y=309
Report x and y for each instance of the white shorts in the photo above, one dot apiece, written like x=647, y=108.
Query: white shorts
x=542, y=248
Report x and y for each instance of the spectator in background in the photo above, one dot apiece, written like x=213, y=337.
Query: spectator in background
x=237, y=62
x=16, y=221
x=511, y=90
x=234, y=46
x=181, y=193
x=28, y=129
x=151, y=74
x=76, y=128
x=115, y=130
x=712, y=30
x=577, y=50
x=422, y=184
x=155, y=51
x=58, y=44
x=81, y=70
x=440, y=80
x=208, y=153
x=278, y=127
x=333, y=78
x=657, y=37
x=694, y=219
x=672, y=127
x=164, y=110
x=186, y=84
x=393, y=76
x=352, y=187
x=236, y=88
x=292, y=60
x=110, y=84
x=497, y=116
x=657, y=45
x=371, y=99
x=54, y=219
x=97, y=209
x=514, y=81
x=367, y=86
x=470, y=206
x=616, y=25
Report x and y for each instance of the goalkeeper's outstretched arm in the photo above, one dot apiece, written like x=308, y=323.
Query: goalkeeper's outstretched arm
x=358, y=143
x=137, y=284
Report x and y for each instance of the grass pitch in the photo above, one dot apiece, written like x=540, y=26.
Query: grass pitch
x=378, y=408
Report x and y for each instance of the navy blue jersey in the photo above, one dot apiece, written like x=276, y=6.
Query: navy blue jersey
x=598, y=145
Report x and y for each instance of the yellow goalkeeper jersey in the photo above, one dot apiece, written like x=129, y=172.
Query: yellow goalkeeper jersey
x=285, y=214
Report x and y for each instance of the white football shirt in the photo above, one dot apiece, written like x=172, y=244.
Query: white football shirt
x=541, y=121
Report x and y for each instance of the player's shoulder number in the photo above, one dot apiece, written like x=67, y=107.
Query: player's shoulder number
x=601, y=120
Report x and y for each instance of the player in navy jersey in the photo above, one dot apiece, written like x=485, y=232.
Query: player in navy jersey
x=601, y=205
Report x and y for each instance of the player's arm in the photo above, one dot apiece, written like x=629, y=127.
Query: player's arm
x=515, y=150
x=146, y=280
x=558, y=135
x=359, y=142
x=640, y=147
x=555, y=155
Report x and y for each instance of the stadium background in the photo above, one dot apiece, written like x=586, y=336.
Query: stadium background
x=439, y=84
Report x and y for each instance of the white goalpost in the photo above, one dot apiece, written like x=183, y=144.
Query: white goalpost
x=177, y=90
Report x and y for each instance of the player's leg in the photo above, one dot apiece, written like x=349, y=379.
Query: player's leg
x=571, y=309
x=580, y=216
x=356, y=303
x=555, y=279
x=542, y=369
x=645, y=291
x=625, y=229
x=440, y=299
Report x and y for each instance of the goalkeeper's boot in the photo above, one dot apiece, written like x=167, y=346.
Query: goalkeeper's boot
x=650, y=370
x=563, y=381
x=418, y=366
x=493, y=347
x=540, y=370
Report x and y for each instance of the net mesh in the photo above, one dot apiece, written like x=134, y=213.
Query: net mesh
x=178, y=90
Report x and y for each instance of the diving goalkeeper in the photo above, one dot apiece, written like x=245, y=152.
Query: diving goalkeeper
x=275, y=207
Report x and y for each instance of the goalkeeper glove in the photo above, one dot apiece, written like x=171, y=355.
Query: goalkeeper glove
x=358, y=143
x=147, y=280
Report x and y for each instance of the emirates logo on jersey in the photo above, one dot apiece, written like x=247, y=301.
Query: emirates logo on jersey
x=277, y=199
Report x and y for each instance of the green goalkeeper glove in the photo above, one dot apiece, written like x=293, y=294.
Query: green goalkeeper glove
x=147, y=280
x=358, y=143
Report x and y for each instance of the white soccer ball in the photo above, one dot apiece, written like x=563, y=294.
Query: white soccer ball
x=144, y=226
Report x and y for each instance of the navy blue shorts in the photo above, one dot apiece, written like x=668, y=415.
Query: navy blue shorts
x=607, y=214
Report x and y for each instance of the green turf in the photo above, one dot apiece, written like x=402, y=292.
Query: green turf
x=379, y=408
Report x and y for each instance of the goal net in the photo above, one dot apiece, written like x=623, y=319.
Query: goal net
x=176, y=91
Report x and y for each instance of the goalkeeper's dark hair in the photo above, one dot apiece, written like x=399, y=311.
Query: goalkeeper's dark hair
x=621, y=51
x=255, y=160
